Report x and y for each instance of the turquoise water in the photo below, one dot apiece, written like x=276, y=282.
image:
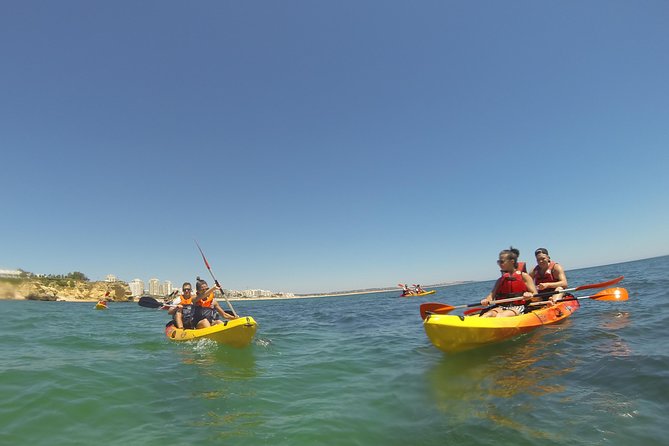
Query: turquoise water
x=340, y=371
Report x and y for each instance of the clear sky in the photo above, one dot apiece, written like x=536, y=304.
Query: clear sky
x=312, y=146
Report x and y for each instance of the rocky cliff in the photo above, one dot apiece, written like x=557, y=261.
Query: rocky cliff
x=63, y=290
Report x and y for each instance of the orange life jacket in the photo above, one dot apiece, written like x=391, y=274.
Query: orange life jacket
x=206, y=302
x=184, y=301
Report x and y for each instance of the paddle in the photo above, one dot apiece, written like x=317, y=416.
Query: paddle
x=611, y=294
x=150, y=302
x=435, y=307
x=215, y=281
x=616, y=294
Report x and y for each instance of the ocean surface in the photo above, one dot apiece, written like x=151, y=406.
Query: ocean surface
x=353, y=370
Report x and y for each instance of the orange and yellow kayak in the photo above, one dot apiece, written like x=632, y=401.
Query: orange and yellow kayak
x=452, y=333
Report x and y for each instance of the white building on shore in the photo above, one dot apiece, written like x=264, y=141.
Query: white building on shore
x=136, y=287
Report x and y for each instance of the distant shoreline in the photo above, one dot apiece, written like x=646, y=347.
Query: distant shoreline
x=242, y=299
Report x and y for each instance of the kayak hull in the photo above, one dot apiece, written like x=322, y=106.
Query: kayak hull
x=236, y=332
x=100, y=307
x=425, y=293
x=451, y=333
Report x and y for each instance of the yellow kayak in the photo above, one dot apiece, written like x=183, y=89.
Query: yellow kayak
x=452, y=333
x=424, y=293
x=100, y=306
x=235, y=332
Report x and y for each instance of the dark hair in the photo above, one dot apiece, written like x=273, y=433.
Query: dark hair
x=512, y=253
x=186, y=283
x=541, y=251
x=200, y=284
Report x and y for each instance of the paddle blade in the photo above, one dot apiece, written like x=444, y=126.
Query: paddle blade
x=612, y=294
x=599, y=285
x=149, y=302
x=434, y=307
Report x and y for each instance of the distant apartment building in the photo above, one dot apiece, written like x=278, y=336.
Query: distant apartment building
x=136, y=287
x=256, y=293
x=154, y=287
x=167, y=288
x=110, y=278
x=10, y=273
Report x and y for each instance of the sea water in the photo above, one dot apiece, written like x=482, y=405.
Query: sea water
x=350, y=370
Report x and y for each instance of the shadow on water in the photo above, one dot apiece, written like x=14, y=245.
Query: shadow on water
x=218, y=392
x=501, y=383
x=611, y=343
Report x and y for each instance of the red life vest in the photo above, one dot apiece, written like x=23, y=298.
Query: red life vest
x=508, y=284
x=545, y=277
x=521, y=267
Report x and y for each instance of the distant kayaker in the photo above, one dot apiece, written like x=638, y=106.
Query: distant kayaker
x=548, y=275
x=205, y=306
x=418, y=289
x=513, y=282
x=183, y=307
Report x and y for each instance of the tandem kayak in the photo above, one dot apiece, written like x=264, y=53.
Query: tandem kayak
x=424, y=293
x=235, y=332
x=451, y=333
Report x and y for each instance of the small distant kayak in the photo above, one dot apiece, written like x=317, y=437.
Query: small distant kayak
x=236, y=332
x=451, y=333
x=100, y=306
x=424, y=293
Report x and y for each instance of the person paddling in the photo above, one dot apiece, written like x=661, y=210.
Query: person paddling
x=183, y=307
x=512, y=282
x=406, y=291
x=548, y=275
x=206, y=307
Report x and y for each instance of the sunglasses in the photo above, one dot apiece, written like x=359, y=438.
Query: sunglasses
x=187, y=289
x=499, y=262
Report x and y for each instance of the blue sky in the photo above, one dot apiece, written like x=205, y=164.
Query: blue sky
x=313, y=146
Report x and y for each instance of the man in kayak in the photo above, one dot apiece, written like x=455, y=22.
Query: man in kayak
x=183, y=307
x=205, y=306
x=512, y=283
x=548, y=275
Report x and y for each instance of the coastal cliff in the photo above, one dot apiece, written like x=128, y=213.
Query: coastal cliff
x=72, y=290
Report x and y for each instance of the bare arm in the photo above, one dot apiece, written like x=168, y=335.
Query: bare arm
x=529, y=283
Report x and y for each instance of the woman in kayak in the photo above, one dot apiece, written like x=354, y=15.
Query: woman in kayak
x=205, y=306
x=548, y=275
x=183, y=307
x=512, y=283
